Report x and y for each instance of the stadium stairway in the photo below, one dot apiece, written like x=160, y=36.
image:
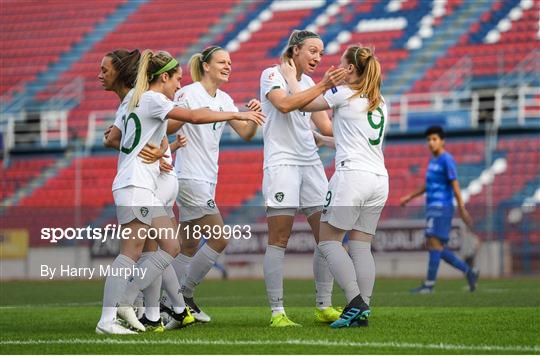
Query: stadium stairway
x=34, y=184
x=233, y=21
x=446, y=35
x=67, y=59
x=343, y=21
x=529, y=190
x=276, y=51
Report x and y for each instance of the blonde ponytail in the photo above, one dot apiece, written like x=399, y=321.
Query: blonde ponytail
x=195, y=67
x=142, y=81
x=368, y=69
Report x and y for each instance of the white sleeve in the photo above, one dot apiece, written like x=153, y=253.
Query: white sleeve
x=159, y=106
x=118, y=122
x=181, y=99
x=272, y=79
x=335, y=97
x=230, y=106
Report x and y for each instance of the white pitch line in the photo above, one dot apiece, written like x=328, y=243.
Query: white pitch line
x=328, y=343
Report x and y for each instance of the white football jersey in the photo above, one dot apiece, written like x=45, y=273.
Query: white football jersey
x=288, y=139
x=358, y=134
x=145, y=124
x=199, y=159
x=118, y=122
x=121, y=112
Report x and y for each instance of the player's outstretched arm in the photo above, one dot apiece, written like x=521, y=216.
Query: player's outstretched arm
x=206, y=116
x=407, y=198
x=173, y=126
x=247, y=129
x=467, y=219
x=299, y=99
x=321, y=140
x=318, y=103
x=323, y=123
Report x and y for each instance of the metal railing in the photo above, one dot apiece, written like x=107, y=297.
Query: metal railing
x=504, y=106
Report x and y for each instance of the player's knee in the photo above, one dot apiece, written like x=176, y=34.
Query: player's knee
x=172, y=250
x=189, y=246
x=279, y=238
x=172, y=247
x=218, y=245
x=132, y=253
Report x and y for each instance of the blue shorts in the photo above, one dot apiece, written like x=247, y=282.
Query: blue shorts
x=439, y=224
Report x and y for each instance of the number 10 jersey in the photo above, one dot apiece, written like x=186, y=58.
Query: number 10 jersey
x=145, y=124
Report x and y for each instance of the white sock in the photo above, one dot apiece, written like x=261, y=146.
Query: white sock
x=114, y=289
x=153, y=267
x=273, y=276
x=181, y=265
x=324, y=281
x=364, y=265
x=341, y=266
x=173, y=290
x=151, y=293
x=201, y=263
x=277, y=311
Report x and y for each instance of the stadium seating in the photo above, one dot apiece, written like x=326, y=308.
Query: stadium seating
x=251, y=58
x=495, y=58
x=146, y=28
x=495, y=42
x=20, y=172
x=240, y=179
x=371, y=23
x=30, y=44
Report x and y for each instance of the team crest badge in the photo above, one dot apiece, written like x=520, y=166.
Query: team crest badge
x=144, y=211
x=211, y=203
x=279, y=196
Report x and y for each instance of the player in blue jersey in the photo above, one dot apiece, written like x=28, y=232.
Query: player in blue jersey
x=441, y=187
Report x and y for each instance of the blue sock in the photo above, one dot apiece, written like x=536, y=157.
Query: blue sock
x=450, y=258
x=433, y=266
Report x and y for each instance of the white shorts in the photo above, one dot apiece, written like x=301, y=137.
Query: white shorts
x=196, y=199
x=293, y=187
x=167, y=190
x=137, y=203
x=355, y=200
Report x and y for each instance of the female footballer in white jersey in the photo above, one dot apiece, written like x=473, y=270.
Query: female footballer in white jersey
x=119, y=70
x=197, y=168
x=294, y=176
x=135, y=185
x=359, y=187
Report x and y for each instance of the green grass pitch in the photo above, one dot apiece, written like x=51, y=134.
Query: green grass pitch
x=502, y=317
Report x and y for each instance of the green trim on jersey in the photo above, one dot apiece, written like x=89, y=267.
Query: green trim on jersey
x=379, y=126
x=137, y=138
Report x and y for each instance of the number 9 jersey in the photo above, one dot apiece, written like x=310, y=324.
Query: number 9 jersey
x=145, y=124
x=358, y=133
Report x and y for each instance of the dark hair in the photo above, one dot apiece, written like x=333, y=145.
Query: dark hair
x=125, y=63
x=435, y=130
x=297, y=39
